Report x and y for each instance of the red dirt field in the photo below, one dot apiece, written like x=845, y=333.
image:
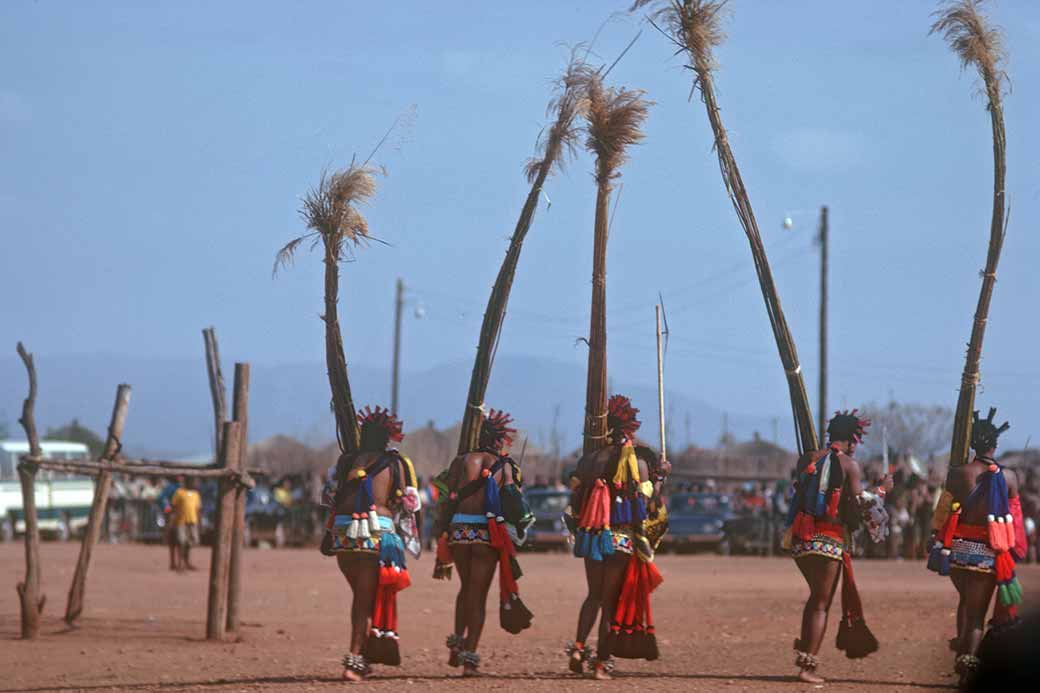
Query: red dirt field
x=723, y=624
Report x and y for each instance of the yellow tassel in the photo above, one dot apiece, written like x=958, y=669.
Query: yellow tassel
x=628, y=466
x=412, y=480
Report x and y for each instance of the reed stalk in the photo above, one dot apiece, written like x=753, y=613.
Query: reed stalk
x=979, y=45
x=695, y=27
x=555, y=145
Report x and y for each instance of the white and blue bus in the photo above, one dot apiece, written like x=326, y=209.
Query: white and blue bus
x=62, y=500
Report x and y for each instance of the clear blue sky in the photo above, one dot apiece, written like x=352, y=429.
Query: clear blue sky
x=153, y=158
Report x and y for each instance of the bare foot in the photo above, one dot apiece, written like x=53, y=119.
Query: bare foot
x=809, y=676
x=601, y=674
x=191, y=567
x=352, y=676
x=469, y=671
x=575, y=664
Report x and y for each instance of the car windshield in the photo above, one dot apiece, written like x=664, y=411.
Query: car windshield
x=699, y=503
x=547, y=502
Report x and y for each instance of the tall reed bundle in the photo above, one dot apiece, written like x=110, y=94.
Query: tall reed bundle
x=614, y=118
x=979, y=45
x=330, y=211
x=694, y=26
x=555, y=145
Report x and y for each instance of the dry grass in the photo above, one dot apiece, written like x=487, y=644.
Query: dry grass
x=560, y=141
x=615, y=118
x=977, y=44
x=695, y=26
x=330, y=211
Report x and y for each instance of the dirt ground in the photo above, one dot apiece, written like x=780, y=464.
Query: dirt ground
x=722, y=624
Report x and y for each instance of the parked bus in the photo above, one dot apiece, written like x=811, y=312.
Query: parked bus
x=62, y=500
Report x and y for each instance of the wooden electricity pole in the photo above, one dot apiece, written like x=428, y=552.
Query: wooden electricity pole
x=396, y=384
x=822, y=406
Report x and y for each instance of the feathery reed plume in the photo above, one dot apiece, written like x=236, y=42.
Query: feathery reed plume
x=694, y=27
x=978, y=45
x=614, y=120
x=556, y=144
x=330, y=211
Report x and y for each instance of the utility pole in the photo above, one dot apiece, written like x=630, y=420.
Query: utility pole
x=396, y=383
x=823, y=323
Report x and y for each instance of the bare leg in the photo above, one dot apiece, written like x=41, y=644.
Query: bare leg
x=461, y=556
x=614, y=569
x=362, y=573
x=976, y=594
x=821, y=574
x=589, y=610
x=171, y=542
x=482, y=563
x=957, y=577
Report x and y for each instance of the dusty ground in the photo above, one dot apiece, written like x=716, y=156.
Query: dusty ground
x=722, y=624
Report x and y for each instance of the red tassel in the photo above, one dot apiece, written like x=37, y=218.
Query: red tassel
x=950, y=528
x=443, y=550
x=804, y=526
x=1019, y=547
x=832, y=504
x=378, y=615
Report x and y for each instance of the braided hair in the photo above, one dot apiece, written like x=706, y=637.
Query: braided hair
x=984, y=432
x=378, y=428
x=847, y=426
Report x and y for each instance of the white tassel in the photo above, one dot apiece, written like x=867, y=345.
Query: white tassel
x=362, y=524
x=352, y=530
x=373, y=521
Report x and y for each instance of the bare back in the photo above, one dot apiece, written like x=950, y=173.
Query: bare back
x=963, y=479
x=381, y=484
x=467, y=468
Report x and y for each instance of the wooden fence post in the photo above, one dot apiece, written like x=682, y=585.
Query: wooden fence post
x=29, y=593
x=216, y=610
x=216, y=386
x=98, y=506
x=240, y=407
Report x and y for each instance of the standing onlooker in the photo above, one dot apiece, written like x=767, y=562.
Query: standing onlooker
x=186, y=503
x=164, y=501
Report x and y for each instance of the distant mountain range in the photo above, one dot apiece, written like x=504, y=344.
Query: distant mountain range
x=171, y=415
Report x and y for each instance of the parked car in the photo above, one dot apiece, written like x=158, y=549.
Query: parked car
x=549, y=530
x=698, y=521
x=269, y=521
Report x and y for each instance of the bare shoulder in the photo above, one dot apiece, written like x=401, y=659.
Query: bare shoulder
x=1012, y=480
x=848, y=464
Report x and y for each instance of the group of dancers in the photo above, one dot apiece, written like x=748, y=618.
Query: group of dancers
x=617, y=518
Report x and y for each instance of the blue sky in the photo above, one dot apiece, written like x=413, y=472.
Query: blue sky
x=153, y=159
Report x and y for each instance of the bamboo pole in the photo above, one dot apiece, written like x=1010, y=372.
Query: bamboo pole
x=217, y=388
x=29, y=594
x=978, y=45
x=240, y=411
x=596, y=377
x=216, y=609
x=565, y=106
x=74, y=606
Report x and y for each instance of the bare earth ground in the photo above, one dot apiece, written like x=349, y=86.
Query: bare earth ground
x=722, y=624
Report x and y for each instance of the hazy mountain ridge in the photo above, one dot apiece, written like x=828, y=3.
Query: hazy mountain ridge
x=171, y=415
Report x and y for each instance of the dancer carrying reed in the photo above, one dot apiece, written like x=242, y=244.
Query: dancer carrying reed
x=982, y=534
x=694, y=27
x=480, y=491
x=483, y=513
x=978, y=522
x=611, y=487
x=371, y=491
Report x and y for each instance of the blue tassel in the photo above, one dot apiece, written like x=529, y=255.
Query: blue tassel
x=583, y=544
x=606, y=543
x=391, y=550
x=615, y=512
x=811, y=499
x=492, y=501
x=935, y=559
x=625, y=512
x=821, y=505
x=944, y=565
x=576, y=551
x=594, y=549
x=640, y=508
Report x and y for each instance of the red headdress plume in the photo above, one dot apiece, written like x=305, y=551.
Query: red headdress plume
x=847, y=425
x=382, y=418
x=621, y=416
x=495, y=432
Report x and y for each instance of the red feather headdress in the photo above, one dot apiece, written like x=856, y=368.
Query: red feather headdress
x=847, y=425
x=495, y=432
x=383, y=419
x=621, y=417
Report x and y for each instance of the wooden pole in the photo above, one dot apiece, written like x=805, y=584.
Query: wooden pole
x=660, y=385
x=74, y=606
x=395, y=387
x=216, y=386
x=29, y=593
x=216, y=610
x=95, y=468
x=596, y=383
x=823, y=321
x=240, y=410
